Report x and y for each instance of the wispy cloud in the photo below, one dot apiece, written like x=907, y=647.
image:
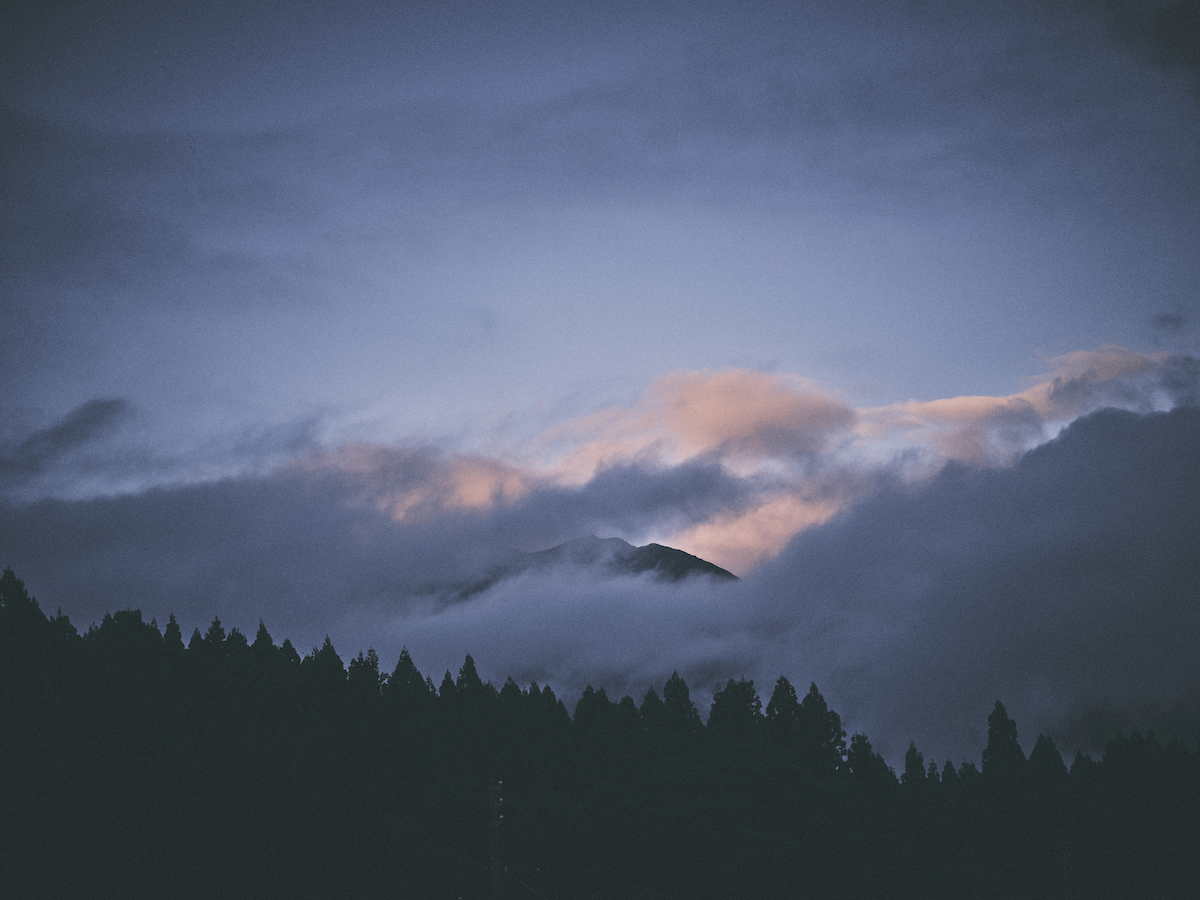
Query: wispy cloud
x=29, y=456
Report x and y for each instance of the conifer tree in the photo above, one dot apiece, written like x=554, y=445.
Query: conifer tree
x=682, y=717
x=914, y=767
x=736, y=712
x=173, y=637
x=783, y=711
x=1002, y=758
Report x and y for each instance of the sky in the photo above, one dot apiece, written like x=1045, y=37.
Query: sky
x=893, y=309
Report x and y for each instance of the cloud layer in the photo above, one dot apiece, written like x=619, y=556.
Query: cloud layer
x=917, y=561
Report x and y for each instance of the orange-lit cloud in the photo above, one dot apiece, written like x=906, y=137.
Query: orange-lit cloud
x=747, y=413
x=801, y=452
x=744, y=417
x=740, y=542
x=415, y=483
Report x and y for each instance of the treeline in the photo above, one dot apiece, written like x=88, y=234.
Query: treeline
x=135, y=765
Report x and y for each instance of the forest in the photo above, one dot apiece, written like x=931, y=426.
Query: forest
x=134, y=764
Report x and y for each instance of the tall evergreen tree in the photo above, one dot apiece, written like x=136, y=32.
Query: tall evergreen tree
x=173, y=637
x=914, y=767
x=736, y=712
x=363, y=677
x=783, y=711
x=682, y=718
x=1002, y=758
x=820, y=738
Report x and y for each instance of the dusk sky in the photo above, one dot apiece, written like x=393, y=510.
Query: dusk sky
x=310, y=311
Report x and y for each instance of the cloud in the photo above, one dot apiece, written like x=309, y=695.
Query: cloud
x=359, y=533
x=1166, y=34
x=33, y=454
x=738, y=415
x=917, y=561
x=742, y=413
x=994, y=430
x=1063, y=584
x=1064, y=581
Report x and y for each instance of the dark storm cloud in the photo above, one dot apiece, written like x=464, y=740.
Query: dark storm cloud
x=630, y=499
x=1167, y=34
x=1070, y=579
x=32, y=454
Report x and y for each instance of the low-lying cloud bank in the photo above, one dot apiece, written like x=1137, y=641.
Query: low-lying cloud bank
x=927, y=558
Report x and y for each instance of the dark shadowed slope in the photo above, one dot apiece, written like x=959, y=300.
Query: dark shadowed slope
x=618, y=557
x=606, y=557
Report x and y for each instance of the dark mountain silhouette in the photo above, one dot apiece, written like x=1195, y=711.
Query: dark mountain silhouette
x=607, y=557
x=618, y=557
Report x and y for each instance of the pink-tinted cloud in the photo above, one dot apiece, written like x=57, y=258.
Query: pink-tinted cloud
x=803, y=452
x=741, y=416
x=419, y=484
x=739, y=413
x=994, y=430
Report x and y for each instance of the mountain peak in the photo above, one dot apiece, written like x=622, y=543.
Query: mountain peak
x=619, y=557
x=610, y=557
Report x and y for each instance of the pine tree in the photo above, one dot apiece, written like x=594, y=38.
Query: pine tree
x=682, y=717
x=736, y=712
x=1002, y=758
x=914, y=767
x=783, y=711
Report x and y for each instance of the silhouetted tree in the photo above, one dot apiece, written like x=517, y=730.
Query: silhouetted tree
x=363, y=678
x=1047, y=770
x=820, y=739
x=263, y=647
x=236, y=645
x=214, y=638
x=323, y=671
x=682, y=718
x=408, y=692
x=914, y=767
x=949, y=775
x=447, y=692
x=1002, y=758
x=173, y=637
x=865, y=764
x=736, y=712
x=593, y=714
x=783, y=711
x=653, y=713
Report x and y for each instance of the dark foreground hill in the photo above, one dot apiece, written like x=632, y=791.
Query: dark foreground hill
x=132, y=765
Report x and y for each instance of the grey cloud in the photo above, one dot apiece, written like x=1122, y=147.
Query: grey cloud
x=1167, y=34
x=83, y=425
x=1063, y=585
x=308, y=551
x=1169, y=322
x=569, y=630
x=1181, y=380
x=1066, y=581
x=629, y=499
x=1174, y=378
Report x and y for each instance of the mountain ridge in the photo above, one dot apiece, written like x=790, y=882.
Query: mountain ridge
x=612, y=557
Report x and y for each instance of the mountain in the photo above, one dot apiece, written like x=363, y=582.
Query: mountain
x=618, y=557
x=611, y=557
